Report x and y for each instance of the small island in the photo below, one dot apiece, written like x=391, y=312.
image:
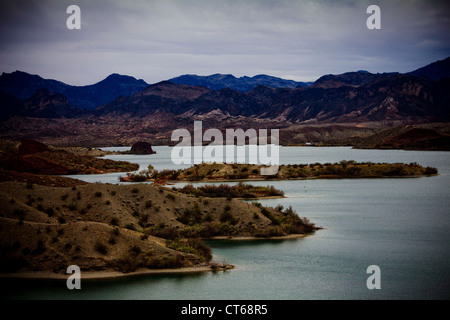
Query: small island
x=239, y=191
x=141, y=147
x=239, y=172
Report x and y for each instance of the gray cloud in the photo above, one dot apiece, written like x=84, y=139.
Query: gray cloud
x=159, y=39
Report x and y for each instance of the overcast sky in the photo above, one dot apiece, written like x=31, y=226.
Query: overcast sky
x=155, y=40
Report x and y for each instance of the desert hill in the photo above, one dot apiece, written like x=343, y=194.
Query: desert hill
x=124, y=227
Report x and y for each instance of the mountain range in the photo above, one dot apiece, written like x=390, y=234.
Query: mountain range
x=385, y=97
x=23, y=86
x=243, y=84
x=120, y=109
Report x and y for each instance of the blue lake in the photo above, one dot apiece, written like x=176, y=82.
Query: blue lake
x=401, y=225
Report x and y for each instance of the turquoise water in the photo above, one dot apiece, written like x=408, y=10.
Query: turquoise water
x=400, y=225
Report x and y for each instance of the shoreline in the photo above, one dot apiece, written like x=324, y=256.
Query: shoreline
x=252, y=238
x=209, y=180
x=112, y=274
x=104, y=274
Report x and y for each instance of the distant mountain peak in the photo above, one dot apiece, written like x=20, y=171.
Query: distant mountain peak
x=23, y=86
x=220, y=81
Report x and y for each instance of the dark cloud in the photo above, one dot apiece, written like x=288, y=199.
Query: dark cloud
x=160, y=39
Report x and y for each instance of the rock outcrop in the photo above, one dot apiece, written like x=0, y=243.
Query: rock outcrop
x=142, y=148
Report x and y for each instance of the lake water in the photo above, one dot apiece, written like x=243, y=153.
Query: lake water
x=401, y=225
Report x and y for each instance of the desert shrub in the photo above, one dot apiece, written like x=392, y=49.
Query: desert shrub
x=135, y=250
x=163, y=231
x=131, y=226
x=112, y=240
x=290, y=212
x=100, y=247
x=135, y=214
x=226, y=216
x=170, y=196
x=191, y=216
x=430, y=171
x=270, y=232
x=98, y=194
x=208, y=217
x=269, y=215
x=166, y=262
x=191, y=245
x=257, y=204
x=143, y=220
x=126, y=264
x=144, y=237
x=115, y=231
x=114, y=221
x=209, y=230
x=50, y=212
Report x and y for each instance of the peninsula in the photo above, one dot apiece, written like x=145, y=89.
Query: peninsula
x=49, y=222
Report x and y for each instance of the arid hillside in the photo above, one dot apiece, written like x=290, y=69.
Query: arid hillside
x=124, y=227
